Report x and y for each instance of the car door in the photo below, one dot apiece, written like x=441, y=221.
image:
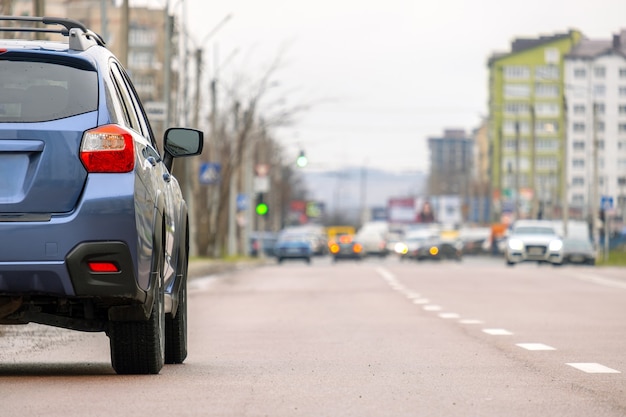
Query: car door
x=157, y=183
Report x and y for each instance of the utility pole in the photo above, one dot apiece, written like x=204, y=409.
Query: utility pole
x=564, y=179
x=123, y=55
x=534, y=206
x=595, y=197
x=517, y=169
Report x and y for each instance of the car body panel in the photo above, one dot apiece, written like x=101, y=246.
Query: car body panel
x=55, y=214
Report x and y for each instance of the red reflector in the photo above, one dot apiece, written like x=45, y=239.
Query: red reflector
x=103, y=267
x=3, y=50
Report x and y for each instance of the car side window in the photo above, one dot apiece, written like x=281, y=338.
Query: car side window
x=144, y=123
x=127, y=102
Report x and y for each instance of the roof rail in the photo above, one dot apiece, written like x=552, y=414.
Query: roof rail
x=80, y=38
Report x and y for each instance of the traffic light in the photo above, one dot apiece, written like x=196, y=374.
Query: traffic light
x=301, y=161
x=261, y=207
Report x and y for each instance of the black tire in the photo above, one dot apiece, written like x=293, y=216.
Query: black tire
x=176, y=325
x=509, y=263
x=138, y=347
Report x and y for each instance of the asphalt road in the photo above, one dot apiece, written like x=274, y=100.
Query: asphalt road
x=372, y=338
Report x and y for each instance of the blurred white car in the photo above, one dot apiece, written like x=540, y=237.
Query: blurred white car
x=533, y=240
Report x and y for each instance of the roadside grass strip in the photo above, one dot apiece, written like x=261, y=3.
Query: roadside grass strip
x=535, y=346
x=498, y=332
x=593, y=368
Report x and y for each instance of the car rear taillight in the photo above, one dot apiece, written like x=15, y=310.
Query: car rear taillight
x=103, y=267
x=108, y=148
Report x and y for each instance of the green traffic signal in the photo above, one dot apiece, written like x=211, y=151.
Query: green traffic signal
x=302, y=160
x=261, y=209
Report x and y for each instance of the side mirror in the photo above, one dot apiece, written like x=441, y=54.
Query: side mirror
x=178, y=142
x=183, y=142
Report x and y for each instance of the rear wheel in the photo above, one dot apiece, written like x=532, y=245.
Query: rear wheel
x=138, y=347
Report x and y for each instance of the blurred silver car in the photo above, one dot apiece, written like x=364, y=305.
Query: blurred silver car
x=533, y=240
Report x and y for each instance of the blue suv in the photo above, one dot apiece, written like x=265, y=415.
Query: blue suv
x=94, y=231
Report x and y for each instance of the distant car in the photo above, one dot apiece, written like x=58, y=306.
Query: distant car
x=578, y=251
x=408, y=249
x=293, y=246
x=437, y=249
x=533, y=240
x=95, y=230
x=345, y=247
x=373, y=243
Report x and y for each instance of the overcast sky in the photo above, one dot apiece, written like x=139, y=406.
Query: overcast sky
x=386, y=75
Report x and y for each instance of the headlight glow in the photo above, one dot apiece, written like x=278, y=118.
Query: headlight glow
x=516, y=244
x=556, y=245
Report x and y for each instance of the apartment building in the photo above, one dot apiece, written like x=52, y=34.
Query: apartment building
x=595, y=77
x=527, y=126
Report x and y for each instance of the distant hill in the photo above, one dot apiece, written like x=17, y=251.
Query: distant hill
x=344, y=190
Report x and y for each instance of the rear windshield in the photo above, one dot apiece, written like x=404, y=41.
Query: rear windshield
x=35, y=91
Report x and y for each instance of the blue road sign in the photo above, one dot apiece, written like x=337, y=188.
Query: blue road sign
x=210, y=173
x=242, y=202
x=606, y=202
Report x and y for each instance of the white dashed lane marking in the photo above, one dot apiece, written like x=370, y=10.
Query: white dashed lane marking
x=590, y=367
x=535, y=346
x=593, y=368
x=449, y=315
x=471, y=321
x=497, y=332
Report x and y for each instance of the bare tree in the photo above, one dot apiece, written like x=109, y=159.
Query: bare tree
x=232, y=134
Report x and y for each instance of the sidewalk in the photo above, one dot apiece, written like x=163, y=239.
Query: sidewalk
x=202, y=267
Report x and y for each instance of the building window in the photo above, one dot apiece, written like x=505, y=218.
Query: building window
x=578, y=145
x=578, y=181
x=546, y=90
x=552, y=55
x=622, y=109
x=547, y=109
x=546, y=162
x=578, y=127
x=599, y=72
x=599, y=108
x=622, y=91
x=621, y=165
x=579, y=108
x=622, y=72
x=517, y=90
x=516, y=72
x=599, y=90
x=621, y=145
x=546, y=127
x=547, y=72
x=516, y=108
x=578, y=199
x=509, y=128
x=600, y=144
x=580, y=72
x=547, y=145
x=621, y=128
x=578, y=163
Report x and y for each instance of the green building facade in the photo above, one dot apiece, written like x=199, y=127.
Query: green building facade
x=527, y=127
